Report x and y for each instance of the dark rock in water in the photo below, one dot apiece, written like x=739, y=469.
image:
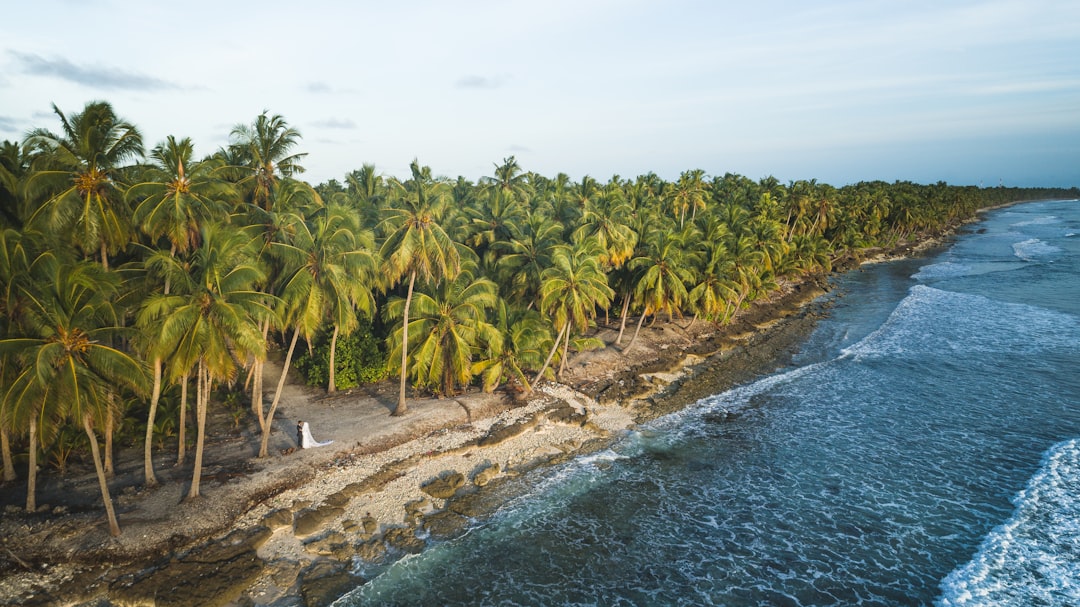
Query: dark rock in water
x=404, y=540
x=484, y=475
x=312, y=521
x=325, y=581
x=719, y=417
x=445, y=524
x=371, y=551
x=445, y=485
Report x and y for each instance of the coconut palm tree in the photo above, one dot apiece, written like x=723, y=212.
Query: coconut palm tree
x=77, y=175
x=327, y=269
x=510, y=181
x=665, y=270
x=524, y=257
x=606, y=218
x=212, y=320
x=14, y=274
x=517, y=345
x=177, y=195
x=416, y=246
x=448, y=326
x=265, y=148
x=67, y=369
x=572, y=289
x=14, y=169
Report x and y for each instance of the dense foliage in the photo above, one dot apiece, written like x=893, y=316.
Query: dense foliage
x=133, y=273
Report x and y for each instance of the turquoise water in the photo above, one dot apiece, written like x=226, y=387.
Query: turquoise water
x=923, y=449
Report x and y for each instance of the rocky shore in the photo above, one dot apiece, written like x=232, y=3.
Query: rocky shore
x=288, y=529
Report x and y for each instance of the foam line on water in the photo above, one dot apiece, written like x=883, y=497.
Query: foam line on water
x=1030, y=559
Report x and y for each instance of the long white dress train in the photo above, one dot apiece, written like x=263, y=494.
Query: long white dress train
x=309, y=441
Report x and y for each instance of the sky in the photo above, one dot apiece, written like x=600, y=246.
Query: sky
x=967, y=92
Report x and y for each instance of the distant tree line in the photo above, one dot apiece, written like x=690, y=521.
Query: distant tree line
x=142, y=287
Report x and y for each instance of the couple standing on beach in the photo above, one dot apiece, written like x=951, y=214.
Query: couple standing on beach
x=304, y=440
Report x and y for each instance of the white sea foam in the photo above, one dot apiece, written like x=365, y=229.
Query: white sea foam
x=1033, y=248
x=1038, y=221
x=938, y=271
x=935, y=320
x=1030, y=559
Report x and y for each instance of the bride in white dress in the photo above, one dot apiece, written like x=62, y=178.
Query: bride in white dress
x=307, y=441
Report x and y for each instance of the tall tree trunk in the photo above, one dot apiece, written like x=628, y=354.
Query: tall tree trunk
x=401, y=409
x=201, y=396
x=565, y=353
x=148, y=463
x=636, y=331
x=104, y=256
x=114, y=526
x=5, y=447
x=257, y=383
x=110, y=423
x=692, y=321
x=331, y=386
x=269, y=422
x=182, y=448
x=31, y=471
x=550, y=355
x=625, y=311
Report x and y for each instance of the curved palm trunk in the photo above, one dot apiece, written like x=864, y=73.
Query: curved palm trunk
x=692, y=321
x=268, y=422
x=257, y=382
x=114, y=526
x=550, y=355
x=180, y=453
x=202, y=395
x=332, y=385
x=401, y=409
x=565, y=354
x=636, y=331
x=148, y=463
x=625, y=312
x=5, y=447
x=110, y=423
x=31, y=472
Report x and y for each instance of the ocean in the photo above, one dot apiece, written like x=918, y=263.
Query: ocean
x=923, y=448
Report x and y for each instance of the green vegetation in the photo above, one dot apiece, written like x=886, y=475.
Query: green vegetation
x=130, y=278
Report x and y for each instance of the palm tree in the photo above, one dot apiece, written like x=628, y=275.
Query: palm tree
x=510, y=181
x=516, y=345
x=524, y=257
x=327, y=272
x=14, y=169
x=212, y=320
x=417, y=246
x=688, y=193
x=573, y=287
x=68, y=369
x=664, y=273
x=606, y=218
x=448, y=326
x=178, y=195
x=266, y=147
x=14, y=275
x=77, y=173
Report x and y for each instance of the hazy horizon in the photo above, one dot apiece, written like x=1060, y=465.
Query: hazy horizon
x=972, y=93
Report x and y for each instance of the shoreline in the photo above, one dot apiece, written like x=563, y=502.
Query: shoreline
x=288, y=536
